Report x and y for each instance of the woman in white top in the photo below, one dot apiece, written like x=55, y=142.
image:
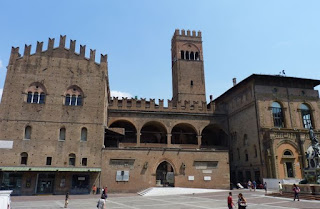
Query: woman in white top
x=102, y=202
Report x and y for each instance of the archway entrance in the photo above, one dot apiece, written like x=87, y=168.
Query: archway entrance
x=165, y=174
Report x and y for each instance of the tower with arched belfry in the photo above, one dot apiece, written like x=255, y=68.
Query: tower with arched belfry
x=188, y=83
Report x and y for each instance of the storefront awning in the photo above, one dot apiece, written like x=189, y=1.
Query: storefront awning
x=60, y=169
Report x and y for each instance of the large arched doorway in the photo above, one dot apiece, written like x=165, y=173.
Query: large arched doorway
x=184, y=134
x=213, y=136
x=165, y=174
x=153, y=132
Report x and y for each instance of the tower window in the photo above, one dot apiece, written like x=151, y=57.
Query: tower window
x=191, y=83
x=196, y=56
x=191, y=56
x=187, y=55
x=182, y=54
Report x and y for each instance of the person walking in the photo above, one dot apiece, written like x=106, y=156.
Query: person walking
x=94, y=189
x=265, y=187
x=296, y=191
x=242, y=202
x=66, y=201
x=230, y=202
x=254, y=185
x=249, y=185
x=102, y=202
x=280, y=188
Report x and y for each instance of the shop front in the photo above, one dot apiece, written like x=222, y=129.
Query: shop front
x=36, y=180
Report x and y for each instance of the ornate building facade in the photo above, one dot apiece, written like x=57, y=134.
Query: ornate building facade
x=269, y=119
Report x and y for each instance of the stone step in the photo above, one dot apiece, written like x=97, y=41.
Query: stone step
x=291, y=195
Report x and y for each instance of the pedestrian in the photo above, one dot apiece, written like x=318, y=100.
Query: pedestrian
x=94, y=189
x=230, y=202
x=249, y=185
x=254, y=184
x=242, y=202
x=66, y=201
x=105, y=192
x=296, y=191
x=280, y=188
x=265, y=187
x=102, y=202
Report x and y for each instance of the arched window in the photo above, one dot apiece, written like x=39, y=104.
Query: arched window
x=182, y=54
x=187, y=55
x=27, y=132
x=84, y=133
x=62, y=135
x=24, y=158
x=277, y=113
x=72, y=159
x=306, y=116
x=192, y=56
x=36, y=93
x=196, y=56
x=287, y=153
x=74, y=96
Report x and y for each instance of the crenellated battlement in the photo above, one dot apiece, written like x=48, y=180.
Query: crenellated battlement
x=151, y=105
x=177, y=32
x=62, y=42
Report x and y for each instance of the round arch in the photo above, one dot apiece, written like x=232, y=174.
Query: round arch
x=212, y=135
x=130, y=131
x=184, y=133
x=153, y=132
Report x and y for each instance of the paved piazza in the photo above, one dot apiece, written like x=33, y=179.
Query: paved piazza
x=256, y=200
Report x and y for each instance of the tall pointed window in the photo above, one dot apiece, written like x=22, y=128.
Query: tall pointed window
x=306, y=116
x=27, y=132
x=62, y=135
x=277, y=113
x=84, y=133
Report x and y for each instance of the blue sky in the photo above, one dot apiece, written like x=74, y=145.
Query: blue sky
x=240, y=37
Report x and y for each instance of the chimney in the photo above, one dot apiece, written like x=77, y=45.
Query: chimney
x=234, y=81
x=211, y=98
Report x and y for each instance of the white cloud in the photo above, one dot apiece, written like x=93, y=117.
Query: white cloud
x=120, y=94
x=1, y=90
x=1, y=64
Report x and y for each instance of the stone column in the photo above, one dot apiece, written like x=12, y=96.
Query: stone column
x=169, y=139
x=199, y=137
x=138, y=138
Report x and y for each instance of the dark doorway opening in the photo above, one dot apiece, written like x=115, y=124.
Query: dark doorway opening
x=165, y=175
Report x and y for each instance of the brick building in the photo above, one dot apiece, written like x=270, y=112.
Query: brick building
x=68, y=134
